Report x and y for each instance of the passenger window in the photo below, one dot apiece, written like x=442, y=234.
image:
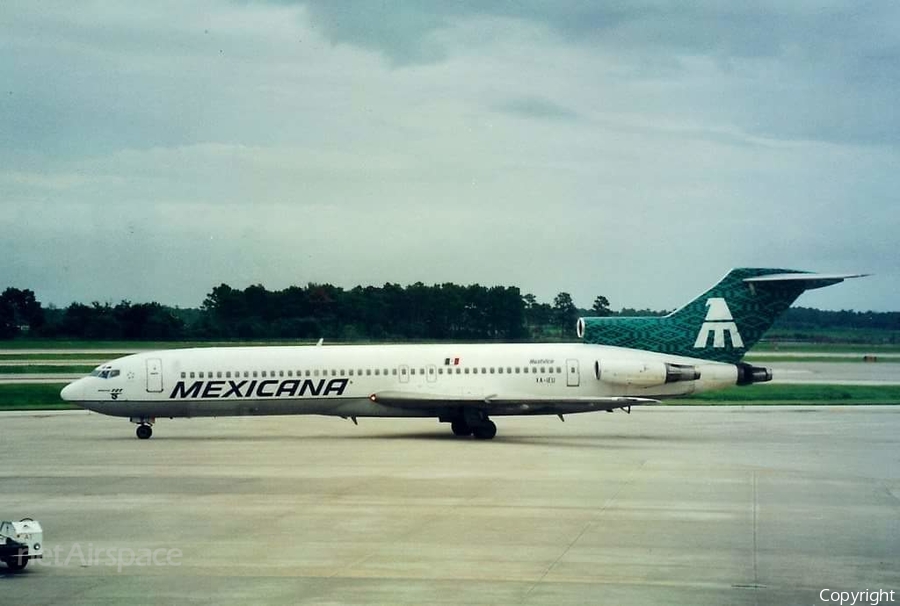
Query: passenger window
x=412, y=371
x=440, y=371
x=385, y=372
x=508, y=370
x=227, y=374
x=467, y=370
x=558, y=370
x=403, y=371
x=431, y=371
x=263, y=374
x=492, y=370
x=255, y=374
x=377, y=371
x=183, y=375
x=483, y=370
x=543, y=370
x=517, y=370
x=315, y=372
x=333, y=373
x=351, y=372
x=192, y=375
x=474, y=371
x=368, y=372
x=394, y=371
x=458, y=370
x=281, y=373
x=534, y=370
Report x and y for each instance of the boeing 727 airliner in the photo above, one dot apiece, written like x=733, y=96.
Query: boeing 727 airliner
x=620, y=363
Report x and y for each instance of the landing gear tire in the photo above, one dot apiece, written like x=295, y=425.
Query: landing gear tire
x=460, y=428
x=144, y=431
x=485, y=431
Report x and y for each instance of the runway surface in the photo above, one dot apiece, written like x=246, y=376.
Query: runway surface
x=835, y=373
x=664, y=506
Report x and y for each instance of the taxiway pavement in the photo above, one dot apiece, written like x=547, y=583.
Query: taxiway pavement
x=663, y=506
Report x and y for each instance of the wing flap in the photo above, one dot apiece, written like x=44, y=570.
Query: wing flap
x=512, y=404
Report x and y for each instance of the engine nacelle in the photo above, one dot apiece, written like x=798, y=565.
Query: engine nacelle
x=643, y=374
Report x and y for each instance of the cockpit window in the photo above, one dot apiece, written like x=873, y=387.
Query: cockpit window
x=105, y=373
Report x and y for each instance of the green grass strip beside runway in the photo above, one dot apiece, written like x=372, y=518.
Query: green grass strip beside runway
x=46, y=369
x=782, y=394
x=40, y=396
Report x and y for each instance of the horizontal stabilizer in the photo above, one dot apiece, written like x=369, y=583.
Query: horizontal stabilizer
x=809, y=281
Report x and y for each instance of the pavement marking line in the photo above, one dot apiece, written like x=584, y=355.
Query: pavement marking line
x=627, y=482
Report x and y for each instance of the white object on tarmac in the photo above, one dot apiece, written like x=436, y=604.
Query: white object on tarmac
x=21, y=541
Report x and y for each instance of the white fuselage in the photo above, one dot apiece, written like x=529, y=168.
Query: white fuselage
x=342, y=380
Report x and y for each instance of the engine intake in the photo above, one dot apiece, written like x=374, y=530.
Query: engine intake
x=643, y=374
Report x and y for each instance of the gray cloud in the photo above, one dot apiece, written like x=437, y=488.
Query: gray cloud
x=534, y=107
x=154, y=151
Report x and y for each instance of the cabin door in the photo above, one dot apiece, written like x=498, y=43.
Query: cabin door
x=154, y=375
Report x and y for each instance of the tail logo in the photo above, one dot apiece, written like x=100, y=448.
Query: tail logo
x=718, y=321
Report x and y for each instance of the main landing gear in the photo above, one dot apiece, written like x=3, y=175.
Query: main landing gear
x=144, y=427
x=475, y=423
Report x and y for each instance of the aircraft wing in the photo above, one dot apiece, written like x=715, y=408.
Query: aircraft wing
x=512, y=404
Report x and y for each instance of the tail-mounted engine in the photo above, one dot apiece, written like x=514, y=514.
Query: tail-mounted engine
x=643, y=374
x=747, y=374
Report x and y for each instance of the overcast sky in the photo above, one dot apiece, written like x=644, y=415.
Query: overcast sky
x=152, y=150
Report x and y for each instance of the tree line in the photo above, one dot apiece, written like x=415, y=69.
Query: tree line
x=388, y=313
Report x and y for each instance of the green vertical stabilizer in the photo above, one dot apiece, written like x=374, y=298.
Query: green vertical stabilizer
x=722, y=324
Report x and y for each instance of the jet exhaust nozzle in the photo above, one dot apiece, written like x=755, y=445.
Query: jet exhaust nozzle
x=748, y=374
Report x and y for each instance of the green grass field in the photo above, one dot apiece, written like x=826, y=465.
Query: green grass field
x=42, y=396
x=68, y=357
x=46, y=396
x=781, y=394
x=44, y=369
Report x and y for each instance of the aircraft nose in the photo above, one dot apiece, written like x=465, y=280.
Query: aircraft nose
x=72, y=391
